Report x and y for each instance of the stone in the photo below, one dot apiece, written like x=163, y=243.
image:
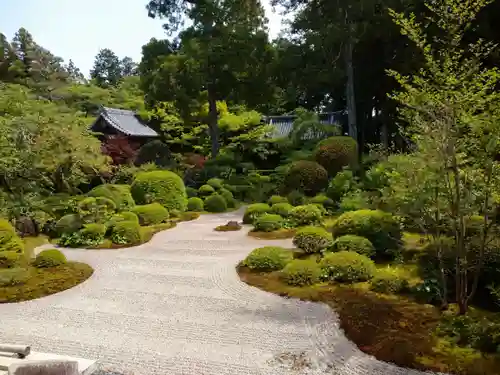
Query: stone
x=44, y=368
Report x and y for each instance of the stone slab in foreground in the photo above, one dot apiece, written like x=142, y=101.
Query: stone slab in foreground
x=46, y=364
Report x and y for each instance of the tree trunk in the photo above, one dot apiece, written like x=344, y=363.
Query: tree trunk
x=213, y=127
x=350, y=97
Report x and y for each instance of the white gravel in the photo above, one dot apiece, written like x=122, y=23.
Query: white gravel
x=176, y=306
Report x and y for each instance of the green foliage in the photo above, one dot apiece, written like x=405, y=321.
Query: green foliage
x=206, y=190
x=296, y=198
x=96, y=210
x=354, y=201
x=306, y=176
x=191, y=192
x=126, y=233
x=255, y=210
x=7, y=231
x=10, y=259
x=312, y=239
x=347, y=266
x=119, y=194
x=155, y=152
x=15, y=244
x=389, y=281
x=308, y=214
x=381, y=228
x=69, y=224
x=195, y=204
x=282, y=209
x=277, y=199
x=228, y=196
x=268, y=222
x=49, y=258
x=215, y=203
x=307, y=127
x=163, y=187
x=335, y=153
x=216, y=183
x=268, y=258
x=323, y=200
x=150, y=214
x=341, y=184
x=350, y=242
x=93, y=232
x=13, y=277
x=301, y=272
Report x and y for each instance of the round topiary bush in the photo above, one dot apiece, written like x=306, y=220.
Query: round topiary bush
x=191, y=192
x=282, y=209
x=268, y=223
x=150, y=214
x=301, y=272
x=206, y=190
x=163, y=187
x=306, y=176
x=351, y=242
x=68, y=224
x=277, y=199
x=93, y=232
x=389, y=281
x=269, y=258
x=49, y=258
x=296, y=198
x=312, y=239
x=335, y=153
x=308, y=214
x=126, y=233
x=382, y=229
x=10, y=259
x=195, y=204
x=229, y=197
x=347, y=266
x=216, y=183
x=255, y=210
x=323, y=200
x=155, y=152
x=215, y=203
x=119, y=194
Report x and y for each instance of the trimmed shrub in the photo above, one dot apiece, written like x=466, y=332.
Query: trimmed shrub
x=255, y=210
x=119, y=194
x=206, y=190
x=216, y=183
x=323, y=200
x=306, y=176
x=191, y=192
x=301, y=272
x=155, y=152
x=277, y=199
x=175, y=213
x=228, y=196
x=347, y=266
x=268, y=258
x=10, y=259
x=126, y=233
x=188, y=216
x=95, y=210
x=296, y=198
x=150, y=214
x=163, y=187
x=215, y=203
x=13, y=276
x=49, y=258
x=351, y=242
x=268, y=223
x=93, y=232
x=312, y=239
x=282, y=209
x=15, y=244
x=7, y=231
x=68, y=224
x=335, y=153
x=389, y=281
x=195, y=204
x=381, y=228
x=129, y=216
x=308, y=214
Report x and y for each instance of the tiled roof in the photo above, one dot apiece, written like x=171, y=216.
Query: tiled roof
x=283, y=125
x=126, y=122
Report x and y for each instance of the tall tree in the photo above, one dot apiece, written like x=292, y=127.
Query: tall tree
x=107, y=70
x=74, y=73
x=129, y=67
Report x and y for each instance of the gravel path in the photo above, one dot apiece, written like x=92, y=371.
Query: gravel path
x=176, y=306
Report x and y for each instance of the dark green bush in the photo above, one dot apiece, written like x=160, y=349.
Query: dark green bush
x=191, y=192
x=341, y=184
x=195, y=204
x=381, y=228
x=277, y=199
x=312, y=239
x=269, y=258
x=216, y=183
x=354, y=201
x=155, y=152
x=335, y=153
x=323, y=200
x=389, y=281
x=347, y=266
x=68, y=224
x=126, y=233
x=206, y=190
x=351, y=242
x=13, y=276
x=49, y=258
x=306, y=176
x=228, y=196
x=10, y=259
x=163, y=187
x=253, y=211
x=301, y=272
x=282, y=209
x=215, y=203
x=268, y=223
x=308, y=214
x=119, y=194
x=296, y=198
x=150, y=214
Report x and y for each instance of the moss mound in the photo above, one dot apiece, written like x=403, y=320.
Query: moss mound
x=163, y=187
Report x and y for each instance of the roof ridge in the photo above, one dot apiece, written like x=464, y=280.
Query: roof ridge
x=119, y=111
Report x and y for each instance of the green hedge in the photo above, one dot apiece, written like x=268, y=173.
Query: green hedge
x=191, y=192
x=119, y=194
x=268, y=223
x=351, y=242
x=296, y=198
x=215, y=203
x=312, y=239
x=49, y=258
x=282, y=209
x=306, y=176
x=206, y=190
x=347, y=266
x=335, y=153
x=255, y=210
x=163, y=187
x=277, y=199
x=268, y=258
x=68, y=224
x=126, y=233
x=216, y=183
x=150, y=214
x=389, y=281
x=228, y=196
x=195, y=204
x=301, y=272
x=308, y=214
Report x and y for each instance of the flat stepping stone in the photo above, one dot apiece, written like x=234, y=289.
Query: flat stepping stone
x=85, y=366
